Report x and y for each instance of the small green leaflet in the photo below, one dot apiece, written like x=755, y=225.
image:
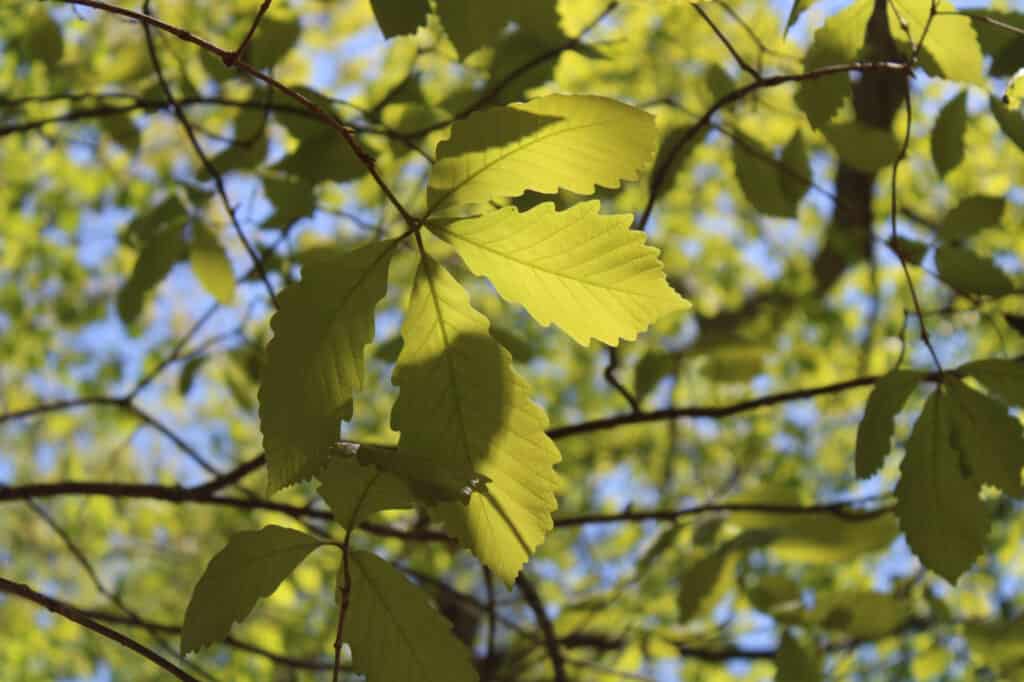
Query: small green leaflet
x=395, y=635
x=354, y=490
x=796, y=168
x=465, y=414
x=250, y=567
x=972, y=215
x=399, y=17
x=1004, y=378
x=951, y=41
x=588, y=273
x=969, y=273
x=874, y=435
x=315, y=361
x=157, y=256
x=211, y=265
x=546, y=144
x=671, y=157
x=937, y=496
x=839, y=41
x=1010, y=122
x=947, y=140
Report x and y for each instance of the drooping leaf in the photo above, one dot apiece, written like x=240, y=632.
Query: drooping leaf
x=400, y=17
x=992, y=439
x=839, y=41
x=652, y=368
x=464, y=413
x=860, y=613
x=937, y=496
x=395, y=635
x=211, y=266
x=588, y=273
x=315, y=360
x=323, y=157
x=250, y=567
x=354, y=490
x=969, y=273
x=551, y=143
x=276, y=36
x=947, y=139
x=43, y=39
x=1004, y=378
x=972, y=215
x=874, y=435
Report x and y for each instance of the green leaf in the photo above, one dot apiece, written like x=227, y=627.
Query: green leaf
x=1011, y=122
x=546, y=144
x=839, y=41
x=251, y=566
x=1014, y=91
x=798, y=8
x=471, y=24
x=315, y=361
x=951, y=41
x=652, y=368
x=937, y=496
x=797, y=662
x=273, y=39
x=910, y=250
x=998, y=644
x=992, y=439
x=463, y=414
x=947, y=140
x=972, y=215
x=355, y=490
x=969, y=273
x=795, y=174
x=588, y=273
x=157, y=257
x=400, y=17
x=395, y=635
x=42, y=40
x=761, y=178
x=874, y=435
x=293, y=199
x=1005, y=378
x=673, y=153
x=861, y=614
x=705, y=582
x=211, y=265
x=122, y=131
x=862, y=146
x=324, y=157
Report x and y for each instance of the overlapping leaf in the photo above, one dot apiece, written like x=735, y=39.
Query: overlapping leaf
x=551, y=143
x=315, y=360
x=354, y=490
x=465, y=414
x=590, y=274
x=395, y=635
x=874, y=435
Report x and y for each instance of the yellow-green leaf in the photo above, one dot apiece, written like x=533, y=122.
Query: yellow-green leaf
x=395, y=635
x=991, y=438
x=588, y=273
x=874, y=435
x=465, y=414
x=211, y=266
x=551, y=143
x=354, y=490
x=951, y=41
x=315, y=360
x=947, y=140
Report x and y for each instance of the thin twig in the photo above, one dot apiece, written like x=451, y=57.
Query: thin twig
x=728, y=45
x=73, y=614
x=230, y=60
x=211, y=169
x=533, y=600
